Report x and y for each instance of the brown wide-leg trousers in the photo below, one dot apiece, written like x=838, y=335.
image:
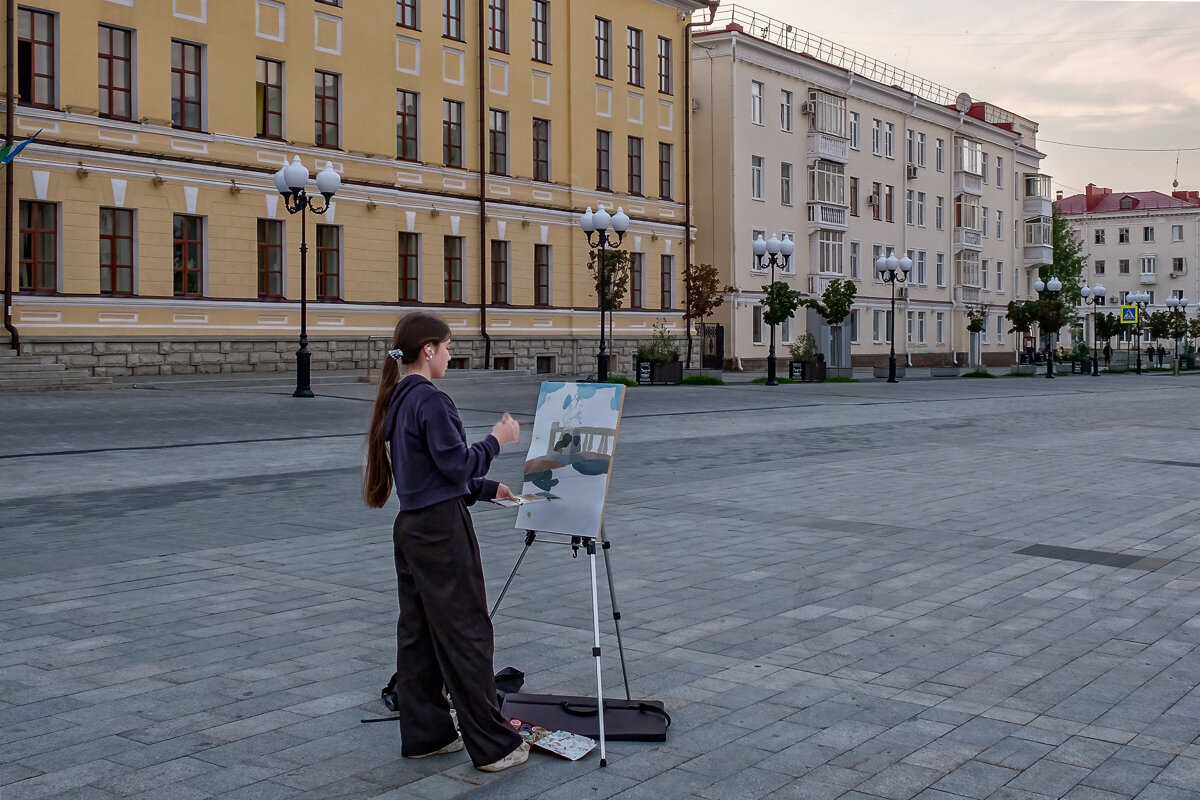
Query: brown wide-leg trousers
x=444, y=636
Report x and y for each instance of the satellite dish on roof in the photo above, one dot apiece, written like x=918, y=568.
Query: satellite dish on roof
x=963, y=102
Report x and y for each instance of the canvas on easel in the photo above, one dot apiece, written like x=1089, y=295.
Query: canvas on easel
x=570, y=457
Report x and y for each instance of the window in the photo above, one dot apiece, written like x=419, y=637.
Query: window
x=983, y=271
x=408, y=265
x=270, y=259
x=633, y=44
x=115, y=51
x=878, y=327
x=1148, y=265
x=35, y=58
x=407, y=125
x=329, y=262
x=603, y=48
x=189, y=255
x=637, y=280
x=854, y=326
x=406, y=14
x=326, y=119
x=337, y=3
x=785, y=330
x=983, y=167
x=667, y=264
x=855, y=259
x=941, y=269
x=889, y=140
x=910, y=147
x=756, y=177
x=452, y=114
x=116, y=251
x=1123, y=266
x=665, y=171
x=452, y=19
x=540, y=34
x=877, y=136
x=983, y=334
x=664, y=65
x=1099, y=236
x=1148, y=233
x=186, y=86
x=1122, y=235
x=541, y=274
x=999, y=224
x=541, y=149
x=785, y=184
x=875, y=201
x=497, y=142
x=999, y=276
x=853, y=130
x=1176, y=233
x=39, y=246
x=940, y=213
x=888, y=193
x=984, y=225
x=756, y=102
x=829, y=252
x=757, y=265
x=922, y=276
x=498, y=25
x=635, y=165
x=999, y=185
x=920, y=149
x=910, y=206
x=452, y=252
x=268, y=98
x=966, y=156
x=1099, y=268
x=827, y=183
x=785, y=110
x=940, y=154
x=756, y=324
x=603, y=161
x=921, y=209
x=500, y=250
x=940, y=326
x=854, y=197
x=921, y=327
x=1178, y=264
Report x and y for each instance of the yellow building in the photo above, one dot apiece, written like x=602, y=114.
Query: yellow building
x=469, y=137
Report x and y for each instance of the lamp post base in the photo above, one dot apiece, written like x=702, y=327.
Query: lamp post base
x=602, y=368
x=892, y=369
x=303, y=359
x=1095, y=366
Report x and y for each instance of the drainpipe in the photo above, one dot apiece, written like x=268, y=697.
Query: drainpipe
x=687, y=168
x=483, y=153
x=9, y=114
x=904, y=238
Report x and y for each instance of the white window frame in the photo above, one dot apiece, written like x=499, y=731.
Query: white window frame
x=854, y=130
x=785, y=183
x=757, y=326
x=785, y=110
x=877, y=137
x=756, y=102
x=757, y=165
x=855, y=260
x=889, y=140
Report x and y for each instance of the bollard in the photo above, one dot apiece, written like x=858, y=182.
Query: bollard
x=1175, y=366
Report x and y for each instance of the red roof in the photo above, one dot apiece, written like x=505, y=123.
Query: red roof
x=1099, y=200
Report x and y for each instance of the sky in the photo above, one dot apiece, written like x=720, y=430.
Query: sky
x=1107, y=81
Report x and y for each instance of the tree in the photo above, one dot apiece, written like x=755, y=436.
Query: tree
x=1159, y=324
x=1107, y=326
x=705, y=294
x=1069, y=261
x=976, y=318
x=835, y=303
x=780, y=303
x=1023, y=316
x=611, y=291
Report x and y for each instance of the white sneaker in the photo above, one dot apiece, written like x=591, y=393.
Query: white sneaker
x=453, y=747
x=518, y=756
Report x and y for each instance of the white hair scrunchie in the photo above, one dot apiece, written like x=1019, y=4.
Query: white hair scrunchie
x=396, y=354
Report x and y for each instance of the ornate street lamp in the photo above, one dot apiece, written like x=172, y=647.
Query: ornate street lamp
x=892, y=270
x=778, y=253
x=291, y=181
x=1141, y=300
x=1177, y=308
x=1048, y=291
x=595, y=227
x=1094, y=297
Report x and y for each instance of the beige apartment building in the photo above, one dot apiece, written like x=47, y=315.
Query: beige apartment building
x=469, y=137
x=853, y=159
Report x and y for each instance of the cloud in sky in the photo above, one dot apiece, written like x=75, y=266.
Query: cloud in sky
x=1101, y=73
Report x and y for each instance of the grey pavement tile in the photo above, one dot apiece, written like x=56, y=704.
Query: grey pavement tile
x=1118, y=775
x=975, y=779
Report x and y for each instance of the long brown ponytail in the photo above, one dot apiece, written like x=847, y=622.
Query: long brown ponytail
x=412, y=333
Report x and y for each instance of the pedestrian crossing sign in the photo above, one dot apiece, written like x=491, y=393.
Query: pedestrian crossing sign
x=1129, y=314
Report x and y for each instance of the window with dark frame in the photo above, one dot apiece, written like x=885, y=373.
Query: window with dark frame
x=541, y=149
x=326, y=93
x=665, y=171
x=452, y=114
x=498, y=25
x=603, y=48
x=633, y=46
x=603, y=161
x=500, y=250
x=407, y=268
x=452, y=19
x=452, y=260
x=38, y=235
x=35, y=58
x=497, y=142
x=337, y=3
x=270, y=259
x=667, y=284
x=116, y=251
x=189, y=255
x=635, y=165
x=637, y=279
x=664, y=65
x=187, y=86
x=540, y=33
x=114, y=49
x=269, y=98
x=406, y=14
x=541, y=274
x=329, y=262
x=407, y=125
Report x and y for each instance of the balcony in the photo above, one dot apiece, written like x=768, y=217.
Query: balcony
x=1148, y=279
x=966, y=294
x=1037, y=255
x=967, y=239
x=1038, y=207
x=825, y=146
x=968, y=183
x=817, y=284
x=826, y=216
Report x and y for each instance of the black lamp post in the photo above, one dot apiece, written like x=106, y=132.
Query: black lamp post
x=291, y=181
x=1094, y=297
x=778, y=253
x=892, y=270
x=1048, y=291
x=1141, y=300
x=595, y=227
x=1177, y=308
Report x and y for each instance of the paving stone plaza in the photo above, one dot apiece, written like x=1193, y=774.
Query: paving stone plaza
x=936, y=589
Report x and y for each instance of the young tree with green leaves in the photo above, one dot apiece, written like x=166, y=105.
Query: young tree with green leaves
x=834, y=304
x=705, y=294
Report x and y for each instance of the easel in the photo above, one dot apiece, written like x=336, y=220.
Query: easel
x=588, y=543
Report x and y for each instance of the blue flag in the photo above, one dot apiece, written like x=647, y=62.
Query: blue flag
x=7, y=154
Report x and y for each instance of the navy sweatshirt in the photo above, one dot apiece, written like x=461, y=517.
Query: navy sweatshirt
x=431, y=461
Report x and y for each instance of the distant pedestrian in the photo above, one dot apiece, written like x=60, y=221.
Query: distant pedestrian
x=1161, y=354
x=1150, y=355
x=1107, y=353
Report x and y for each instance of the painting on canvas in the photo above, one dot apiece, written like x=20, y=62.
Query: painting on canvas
x=570, y=457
